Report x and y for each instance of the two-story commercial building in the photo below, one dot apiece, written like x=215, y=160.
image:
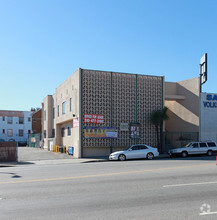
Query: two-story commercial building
x=97, y=112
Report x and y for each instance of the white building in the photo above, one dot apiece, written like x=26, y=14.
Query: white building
x=15, y=125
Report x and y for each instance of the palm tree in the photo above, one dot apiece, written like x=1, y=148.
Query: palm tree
x=157, y=119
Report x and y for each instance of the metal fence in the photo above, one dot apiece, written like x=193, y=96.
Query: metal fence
x=178, y=139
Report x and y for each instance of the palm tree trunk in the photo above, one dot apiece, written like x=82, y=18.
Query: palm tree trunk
x=157, y=133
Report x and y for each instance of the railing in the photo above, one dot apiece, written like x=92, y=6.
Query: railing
x=58, y=149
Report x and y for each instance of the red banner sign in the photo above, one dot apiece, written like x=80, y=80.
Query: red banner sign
x=93, y=118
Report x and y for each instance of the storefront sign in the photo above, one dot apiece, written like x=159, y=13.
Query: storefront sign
x=124, y=127
x=93, y=118
x=100, y=132
x=75, y=122
x=211, y=101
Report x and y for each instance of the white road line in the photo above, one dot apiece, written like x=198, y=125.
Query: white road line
x=208, y=213
x=190, y=184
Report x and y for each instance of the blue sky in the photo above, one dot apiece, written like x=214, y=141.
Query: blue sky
x=42, y=42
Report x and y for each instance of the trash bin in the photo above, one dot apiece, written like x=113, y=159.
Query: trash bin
x=71, y=150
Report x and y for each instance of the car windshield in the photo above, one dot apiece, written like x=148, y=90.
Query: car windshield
x=187, y=145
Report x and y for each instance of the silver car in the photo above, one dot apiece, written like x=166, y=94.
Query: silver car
x=194, y=148
x=135, y=152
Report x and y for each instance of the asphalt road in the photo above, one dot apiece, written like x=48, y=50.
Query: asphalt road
x=138, y=189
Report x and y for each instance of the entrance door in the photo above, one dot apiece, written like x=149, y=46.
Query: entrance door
x=50, y=145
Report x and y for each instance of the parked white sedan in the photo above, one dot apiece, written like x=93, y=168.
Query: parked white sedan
x=135, y=152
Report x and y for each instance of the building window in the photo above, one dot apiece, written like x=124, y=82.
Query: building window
x=53, y=133
x=58, y=110
x=70, y=105
x=62, y=132
x=21, y=120
x=44, y=115
x=10, y=132
x=10, y=120
x=29, y=131
x=44, y=133
x=69, y=131
x=34, y=120
x=3, y=131
x=29, y=119
x=3, y=118
x=21, y=132
x=53, y=113
x=64, y=108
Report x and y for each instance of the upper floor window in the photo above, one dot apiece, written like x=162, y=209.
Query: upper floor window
x=10, y=120
x=69, y=131
x=64, y=108
x=10, y=132
x=70, y=105
x=3, y=118
x=3, y=131
x=29, y=119
x=34, y=119
x=58, y=110
x=21, y=120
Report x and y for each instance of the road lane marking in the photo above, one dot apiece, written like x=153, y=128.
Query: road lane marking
x=105, y=174
x=207, y=213
x=190, y=184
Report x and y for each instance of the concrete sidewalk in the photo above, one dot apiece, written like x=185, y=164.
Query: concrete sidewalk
x=38, y=156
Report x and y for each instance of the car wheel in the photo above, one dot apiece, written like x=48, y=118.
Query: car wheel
x=209, y=153
x=184, y=154
x=122, y=157
x=150, y=156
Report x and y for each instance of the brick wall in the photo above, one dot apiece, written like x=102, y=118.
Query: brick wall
x=8, y=151
x=36, y=122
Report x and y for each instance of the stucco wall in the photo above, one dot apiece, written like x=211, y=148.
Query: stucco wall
x=184, y=112
x=57, y=120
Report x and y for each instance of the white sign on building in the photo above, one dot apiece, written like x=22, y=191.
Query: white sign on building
x=124, y=127
x=208, y=116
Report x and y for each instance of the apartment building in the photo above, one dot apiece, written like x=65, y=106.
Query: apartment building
x=97, y=112
x=15, y=125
